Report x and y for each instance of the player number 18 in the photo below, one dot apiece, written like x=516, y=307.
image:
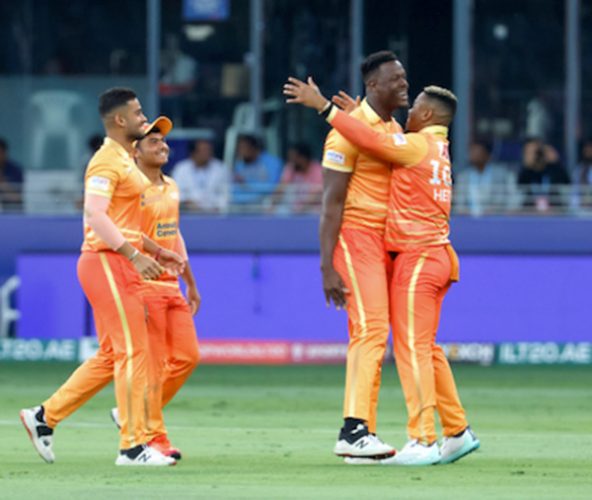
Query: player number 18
x=440, y=173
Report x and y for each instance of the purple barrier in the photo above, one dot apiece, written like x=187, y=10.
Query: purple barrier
x=279, y=297
x=50, y=299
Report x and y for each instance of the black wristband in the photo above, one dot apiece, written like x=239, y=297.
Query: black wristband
x=325, y=113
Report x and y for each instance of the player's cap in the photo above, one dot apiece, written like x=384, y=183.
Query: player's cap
x=162, y=123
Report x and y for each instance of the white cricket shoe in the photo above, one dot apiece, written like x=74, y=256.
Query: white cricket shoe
x=454, y=448
x=115, y=417
x=360, y=443
x=415, y=453
x=363, y=460
x=148, y=457
x=39, y=432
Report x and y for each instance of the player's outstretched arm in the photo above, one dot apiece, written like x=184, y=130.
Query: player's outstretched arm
x=400, y=149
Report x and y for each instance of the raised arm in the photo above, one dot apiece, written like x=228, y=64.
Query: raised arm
x=399, y=149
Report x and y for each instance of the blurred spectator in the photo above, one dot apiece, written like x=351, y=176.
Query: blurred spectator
x=542, y=178
x=301, y=184
x=485, y=187
x=202, y=179
x=538, y=118
x=583, y=177
x=11, y=181
x=256, y=172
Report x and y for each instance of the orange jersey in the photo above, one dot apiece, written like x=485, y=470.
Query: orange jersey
x=160, y=222
x=113, y=174
x=367, y=196
x=421, y=181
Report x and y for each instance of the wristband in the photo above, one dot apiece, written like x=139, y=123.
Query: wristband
x=134, y=254
x=157, y=254
x=326, y=110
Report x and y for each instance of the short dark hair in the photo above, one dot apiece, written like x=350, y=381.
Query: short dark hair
x=114, y=98
x=443, y=96
x=252, y=140
x=302, y=149
x=3, y=144
x=153, y=130
x=374, y=61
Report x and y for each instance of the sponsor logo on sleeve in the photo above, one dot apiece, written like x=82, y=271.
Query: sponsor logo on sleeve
x=97, y=183
x=399, y=139
x=335, y=157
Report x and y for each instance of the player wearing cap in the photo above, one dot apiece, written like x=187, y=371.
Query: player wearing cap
x=110, y=270
x=425, y=264
x=171, y=333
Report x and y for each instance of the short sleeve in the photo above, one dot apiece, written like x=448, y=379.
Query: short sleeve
x=339, y=154
x=101, y=180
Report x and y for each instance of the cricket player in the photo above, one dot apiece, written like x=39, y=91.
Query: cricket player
x=111, y=269
x=425, y=264
x=354, y=262
x=172, y=338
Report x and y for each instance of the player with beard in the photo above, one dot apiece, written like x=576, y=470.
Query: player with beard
x=110, y=270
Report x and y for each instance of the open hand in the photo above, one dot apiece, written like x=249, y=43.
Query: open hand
x=147, y=267
x=346, y=102
x=307, y=94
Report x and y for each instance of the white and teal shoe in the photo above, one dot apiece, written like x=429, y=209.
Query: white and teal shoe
x=415, y=453
x=454, y=448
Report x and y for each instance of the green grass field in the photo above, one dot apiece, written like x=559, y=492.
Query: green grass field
x=267, y=432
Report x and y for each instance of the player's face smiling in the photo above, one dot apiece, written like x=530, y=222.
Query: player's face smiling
x=392, y=85
x=153, y=150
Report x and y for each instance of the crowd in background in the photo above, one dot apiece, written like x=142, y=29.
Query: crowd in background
x=260, y=182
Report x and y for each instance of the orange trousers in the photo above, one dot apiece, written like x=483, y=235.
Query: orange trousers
x=174, y=352
x=419, y=283
x=363, y=264
x=112, y=286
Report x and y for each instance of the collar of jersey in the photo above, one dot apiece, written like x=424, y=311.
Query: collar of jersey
x=371, y=115
x=119, y=149
x=435, y=130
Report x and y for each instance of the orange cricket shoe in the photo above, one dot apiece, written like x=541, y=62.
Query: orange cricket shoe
x=162, y=444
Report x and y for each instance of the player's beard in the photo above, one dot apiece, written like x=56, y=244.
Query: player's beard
x=136, y=136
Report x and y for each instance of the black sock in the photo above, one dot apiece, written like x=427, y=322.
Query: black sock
x=43, y=429
x=40, y=415
x=350, y=424
x=133, y=452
